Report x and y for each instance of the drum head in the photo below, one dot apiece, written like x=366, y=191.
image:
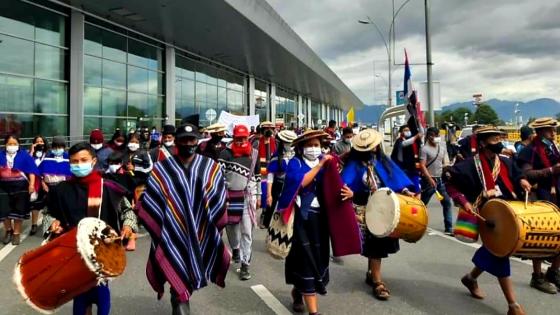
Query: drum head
x=500, y=233
x=382, y=212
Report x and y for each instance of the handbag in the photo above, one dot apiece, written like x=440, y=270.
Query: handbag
x=279, y=237
x=466, y=227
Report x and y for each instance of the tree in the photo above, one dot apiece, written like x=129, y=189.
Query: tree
x=486, y=115
x=457, y=116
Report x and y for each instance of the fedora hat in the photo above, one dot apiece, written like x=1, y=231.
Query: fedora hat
x=489, y=130
x=308, y=135
x=366, y=140
x=266, y=124
x=544, y=122
x=215, y=128
x=287, y=136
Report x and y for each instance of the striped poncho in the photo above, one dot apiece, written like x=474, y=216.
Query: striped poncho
x=184, y=211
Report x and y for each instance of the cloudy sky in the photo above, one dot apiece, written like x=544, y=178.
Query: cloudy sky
x=502, y=48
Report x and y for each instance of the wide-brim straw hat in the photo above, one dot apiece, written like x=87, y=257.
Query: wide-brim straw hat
x=287, y=136
x=310, y=134
x=266, y=124
x=544, y=122
x=489, y=130
x=215, y=128
x=366, y=140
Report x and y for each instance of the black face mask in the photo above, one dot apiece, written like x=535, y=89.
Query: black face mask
x=186, y=151
x=217, y=138
x=495, y=148
x=268, y=133
x=40, y=147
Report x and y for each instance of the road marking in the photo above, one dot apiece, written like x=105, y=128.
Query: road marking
x=269, y=299
x=8, y=248
x=432, y=232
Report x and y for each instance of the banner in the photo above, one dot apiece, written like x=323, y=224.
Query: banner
x=350, y=116
x=230, y=120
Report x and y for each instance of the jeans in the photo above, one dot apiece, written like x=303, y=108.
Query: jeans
x=446, y=203
x=99, y=295
x=240, y=235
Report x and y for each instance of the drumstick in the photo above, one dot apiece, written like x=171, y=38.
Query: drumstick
x=489, y=224
x=526, y=198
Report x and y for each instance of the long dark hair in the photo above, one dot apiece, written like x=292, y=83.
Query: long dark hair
x=44, y=140
x=280, y=151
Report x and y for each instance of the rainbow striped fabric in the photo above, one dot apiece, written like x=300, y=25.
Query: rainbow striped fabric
x=466, y=227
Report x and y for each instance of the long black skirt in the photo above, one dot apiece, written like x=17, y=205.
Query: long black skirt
x=14, y=200
x=378, y=247
x=307, y=264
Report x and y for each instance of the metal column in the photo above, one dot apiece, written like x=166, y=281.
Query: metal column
x=170, y=80
x=77, y=28
x=251, y=95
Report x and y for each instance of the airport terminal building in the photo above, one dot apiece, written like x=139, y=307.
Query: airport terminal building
x=69, y=66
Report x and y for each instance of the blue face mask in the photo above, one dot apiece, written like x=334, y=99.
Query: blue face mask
x=81, y=170
x=58, y=152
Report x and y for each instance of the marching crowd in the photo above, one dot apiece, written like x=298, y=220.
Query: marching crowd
x=184, y=185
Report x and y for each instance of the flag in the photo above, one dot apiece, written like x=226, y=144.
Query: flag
x=350, y=116
x=415, y=117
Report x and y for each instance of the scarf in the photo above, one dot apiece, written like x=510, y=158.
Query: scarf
x=94, y=183
x=474, y=144
x=241, y=150
x=489, y=177
x=540, y=147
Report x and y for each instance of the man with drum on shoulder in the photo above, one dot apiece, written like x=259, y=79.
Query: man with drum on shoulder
x=502, y=179
x=365, y=170
x=87, y=194
x=540, y=162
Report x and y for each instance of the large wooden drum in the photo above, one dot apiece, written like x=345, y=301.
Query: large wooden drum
x=73, y=263
x=389, y=214
x=511, y=228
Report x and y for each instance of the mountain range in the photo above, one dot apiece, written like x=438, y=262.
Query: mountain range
x=541, y=107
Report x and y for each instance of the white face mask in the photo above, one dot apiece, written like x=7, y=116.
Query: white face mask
x=169, y=143
x=118, y=143
x=113, y=168
x=312, y=153
x=437, y=139
x=407, y=134
x=97, y=146
x=133, y=146
x=12, y=149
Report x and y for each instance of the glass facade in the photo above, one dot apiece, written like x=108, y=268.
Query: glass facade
x=123, y=81
x=33, y=82
x=286, y=107
x=315, y=114
x=262, y=104
x=200, y=87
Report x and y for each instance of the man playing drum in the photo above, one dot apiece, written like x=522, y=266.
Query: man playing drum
x=362, y=178
x=88, y=195
x=500, y=179
x=540, y=162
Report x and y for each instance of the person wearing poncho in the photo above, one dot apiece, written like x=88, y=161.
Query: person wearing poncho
x=501, y=179
x=540, y=162
x=183, y=209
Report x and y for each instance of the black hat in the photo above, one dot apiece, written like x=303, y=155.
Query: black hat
x=192, y=119
x=187, y=130
x=168, y=130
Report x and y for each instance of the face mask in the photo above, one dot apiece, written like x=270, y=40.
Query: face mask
x=118, y=143
x=347, y=140
x=312, y=153
x=38, y=154
x=186, y=151
x=12, y=149
x=113, y=168
x=217, y=138
x=133, y=146
x=97, y=146
x=81, y=170
x=58, y=152
x=169, y=143
x=437, y=139
x=268, y=133
x=495, y=148
x=407, y=134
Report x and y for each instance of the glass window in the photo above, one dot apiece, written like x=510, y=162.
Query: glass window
x=16, y=18
x=155, y=82
x=92, y=70
x=114, y=74
x=137, y=79
x=16, y=55
x=92, y=43
x=92, y=100
x=49, y=27
x=114, y=103
x=50, y=97
x=16, y=94
x=143, y=55
x=27, y=126
x=137, y=104
x=114, y=46
x=49, y=62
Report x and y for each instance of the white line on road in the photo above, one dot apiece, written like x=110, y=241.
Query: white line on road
x=7, y=249
x=269, y=299
x=473, y=245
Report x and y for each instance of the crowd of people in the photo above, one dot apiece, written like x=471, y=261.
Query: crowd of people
x=186, y=184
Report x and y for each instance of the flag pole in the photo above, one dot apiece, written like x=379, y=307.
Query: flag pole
x=431, y=117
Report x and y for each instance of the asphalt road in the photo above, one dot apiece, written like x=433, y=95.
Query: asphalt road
x=423, y=279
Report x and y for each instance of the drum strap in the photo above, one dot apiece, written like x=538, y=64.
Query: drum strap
x=489, y=178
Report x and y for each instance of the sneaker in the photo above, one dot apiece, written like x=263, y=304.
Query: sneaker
x=16, y=240
x=244, y=273
x=553, y=276
x=235, y=256
x=539, y=282
x=449, y=233
x=7, y=236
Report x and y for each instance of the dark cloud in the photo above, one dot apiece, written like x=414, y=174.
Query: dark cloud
x=502, y=47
